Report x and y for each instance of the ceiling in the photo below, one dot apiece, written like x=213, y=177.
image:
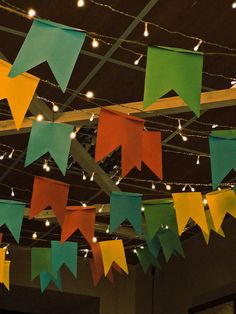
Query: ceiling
x=109, y=72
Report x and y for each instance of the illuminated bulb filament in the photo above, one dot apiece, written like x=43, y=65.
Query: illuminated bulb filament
x=2, y=156
x=136, y=62
x=94, y=239
x=146, y=33
x=153, y=186
x=179, y=125
x=12, y=192
x=198, y=45
x=34, y=235
x=95, y=43
x=39, y=117
x=92, y=117
x=92, y=177
x=184, y=188
x=11, y=154
x=47, y=223
x=118, y=181
x=84, y=176
x=31, y=13
x=168, y=187
x=198, y=160
x=80, y=3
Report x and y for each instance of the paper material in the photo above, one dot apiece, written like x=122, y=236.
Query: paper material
x=125, y=206
x=46, y=278
x=49, y=137
x=113, y=252
x=223, y=154
x=190, y=205
x=4, y=269
x=170, y=243
x=220, y=203
x=18, y=91
x=173, y=69
x=55, y=43
x=146, y=259
x=41, y=261
x=79, y=217
x=48, y=192
x=11, y=214
x=211, y=228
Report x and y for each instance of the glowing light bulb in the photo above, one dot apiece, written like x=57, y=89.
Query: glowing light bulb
x=12, y=192
x=204, y=201
x=86, y=253
x=95, y=43
x=11, y=154
x=141, y=247
x=234, y=5
x=135, y=251
x=55, y=108
x=166, y=227
x=7, y=252
x=192, y=188
x=233, y=82
x=31, y=13
x=153, y=186
x=47, y=168
x=92, y=176
x=89, y=94
x=142, y=208
x=118, y=181
x=84, y=205
x=146, y=33
x=198, y=45
x=179, y=125
x=84, y=176
x=2, y=156
x=34, y=235
x=92, y=117
x=198, y=160
x=136, y=62
x=73, y=135
x=219, y=189
x=94, y=240
x=184, y=188
x=168, y=187
x=101, y=208
x=214, y=126
x=184, y=137
x=107, y=230
x=47, y=223
x=80, y=3
x=39, y=117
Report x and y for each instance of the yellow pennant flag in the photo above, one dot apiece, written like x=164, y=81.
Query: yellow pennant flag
x=113, y=252
x=4, y=269
x=220, y=203
x=211, y=227
x=18, y=91
x=190, y=205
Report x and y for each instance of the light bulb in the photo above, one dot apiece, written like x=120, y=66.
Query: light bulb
x=198, y=160
x=47, y=168
x=45, y=164
x=11, y=154
x=166, y=227
x=219, y=189
x=118, y=181
x=80, y=3
x=135, y=251
x=73, y=135
x=179, y=125
x=234, y=5
x=107, y=230
x=204, y=201
x=100, y=209
x=34, y=235
x=47, y=223
x=141, y=247
x=84, y=205
x=198, y=45
x=146, y=33
x=7, y=252
x=92, y=117
x=136, y=62
x=184, y=188
x=2, y=156
x=153, y=186
x=92, y=176
x=94, y=240
x=168, y=187
x=192, y=188
x=12, y=192
x=142, y=208
x=214, y=126
x=84, y=176
x=39, y=117
x=95, y=43
x=55, y=108
x=89, y=94
x=31, y=13
x=86, y=253
x=184, y=137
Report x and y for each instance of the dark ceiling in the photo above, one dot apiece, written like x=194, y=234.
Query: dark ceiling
x=110, y=73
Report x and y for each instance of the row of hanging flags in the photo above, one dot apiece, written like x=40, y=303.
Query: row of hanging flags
x=164, y=222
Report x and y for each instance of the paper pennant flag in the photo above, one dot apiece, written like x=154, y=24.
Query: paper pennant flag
x=173, y=69
x=46, y=278
x=220, y=203
x=125, y=206
x=223, y=154
x=153, y=245
x=136, y=145
x=55, y=43
x=49, y=137
x=4, y=269
x=18, y=91
x=48, y=192
x=11, y=214
x=1, y=236
x=170, y=243
x=190, y=205
x=160, y=215
x=66, y=253
x=113, y=252
x=79, y=217
x=41, y=261
x=146, y=259
x=211, y=228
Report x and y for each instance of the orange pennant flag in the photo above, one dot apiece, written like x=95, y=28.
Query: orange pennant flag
x=79, y=217
x=190, y=205
x=211, y=227
x=18, y=91
x=113, y=252
x=220, y=203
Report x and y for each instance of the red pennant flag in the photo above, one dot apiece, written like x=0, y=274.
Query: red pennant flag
x=118, y=129
x=48, y=192
x=79, y=217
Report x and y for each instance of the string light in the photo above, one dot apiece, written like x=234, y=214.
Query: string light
x=39, y=117
x=168, y=187
x=184, y=188
x=34, y=235
x=146, y=33
x=92, y=117
x=55, y=108
x=135, y=251
x=214, y=126
x=89, y=94
x=198, y=160
x=107, y=230
x=94, y=240
x=136, y=62
x=84, y=176
x=86, y=253
x=84, y=204
x=192, y=188
x=2, y=156
x=73, y=135
x=234, y=5
x=142, y=247
x=179, y=125
x=95, y=43
x=11, y=154
x=198, y=45
x=101, y=208
x=31, y=13
x=118, y=181
x=184, y=137
x=219, y=189
x=12, y=192
x=80, y=3
x=7, y=252
x=47, y=168
x=142, y=208
x=92, y=176
x=153, y=186
x=204, y=201
x=47, y=223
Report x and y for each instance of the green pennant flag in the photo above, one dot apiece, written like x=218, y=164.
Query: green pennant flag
x=174, y=69
x=223, y=154
x=46, y=278
x=125, y=206
x=170, y=243
x=160, y=216
x=64, y=253
x=153, y=245
x=55, y=43
x=41, y=261
x=11, y=214
x=49, y=137
x=146, y=259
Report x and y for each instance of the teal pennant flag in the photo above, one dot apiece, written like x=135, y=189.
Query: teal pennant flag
x=49, y=137
x=160, y=216
x=46, y=278
x=55, y=43
x=64, y=253
x=41, y=261
x=146, y=259
x=125, y=206
x=170, y=243
x=223, y=154
x=154, y=245
x=174, y=69
x=11, y=214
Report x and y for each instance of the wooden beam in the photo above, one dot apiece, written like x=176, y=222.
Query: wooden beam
x=170, y=105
